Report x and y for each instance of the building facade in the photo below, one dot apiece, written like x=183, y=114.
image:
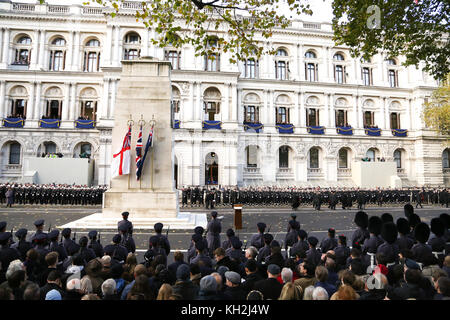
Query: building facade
x=301, y=117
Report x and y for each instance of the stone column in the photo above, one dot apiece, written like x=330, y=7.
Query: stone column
x=65, y=108
x=1, y=43
x=226, y=105
x=325, y=121
x=191, y=116
x=111, y=107
x=2, y=99
x=330, y=70
x=5, y=55
x=38, y=101
x=302, y=110
x=76, y=53
x=386, y=114
x=144, y=45
x=31, y=103
x=35, y=50
x=332, y=116
x=69, y=52
x=234, y=103
x=294, y=115
x=108, y=46
x=355, y=111
x=116, y=58
x=271, y=110
x=42, y=52
x=265, y=110
x=198, y=110
x=72, y=109
x=360, y=115
x=409, y=125
x=105, y=99
x=240, y=108
x=301, y=67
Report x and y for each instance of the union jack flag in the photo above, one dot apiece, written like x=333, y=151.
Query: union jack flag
x=147, y=147
x=138, y=153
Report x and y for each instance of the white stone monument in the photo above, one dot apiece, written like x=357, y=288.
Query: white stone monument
x=143, y=98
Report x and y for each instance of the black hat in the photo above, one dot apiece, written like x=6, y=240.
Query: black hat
x=83, y=241
x=261, y=226
x=361, y=219
x=274, y=244
x=313, y=241
x=3, y=224
x=302, y=234
x=375, y=224
x=154, y=240
x=117, y=238
x=230, y=233
x=331, y=231
x=408, y=209
x=389, y=232
x=197, y=237
x=199, y=230
x=200, y=246
x=214, y=214
x=92, y=234
x=446, y=219
x=39, y=222
x=411, y=264
x=158, y=227
x=422, y=232
x=4, y=237
x=236, y=243
x=21, y=233
x=66, y=232
x=414, y=220
x=268, y=238
x=53, y=234
x=125, y=214
x=387, y=217
x=403, y=226
x=437, y=227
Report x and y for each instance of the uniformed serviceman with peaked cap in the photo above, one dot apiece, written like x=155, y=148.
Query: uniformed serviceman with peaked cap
x=313, y=255
x=126, y=222
x=22, y=245
x=164, y=242
x=404, y=242
x=437, y=240
x=227, y=243
x=257, y=240
x=70, y=245
x=87, y=254
x=39, y=224
x=7, y=254
x=301, y=245
x=126, y=238
x=292, y=236
x=40, y=245
x=330, y=242
x=56, y=246
x=154, y=250
x=342, y=252
x=360, y=234
x=265, y=251
x=213, y=229
x=94, y=244
x=389, y=247
x=115, y=250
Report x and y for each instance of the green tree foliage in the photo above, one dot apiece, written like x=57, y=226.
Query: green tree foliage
x=416, y=29
x=436, y=112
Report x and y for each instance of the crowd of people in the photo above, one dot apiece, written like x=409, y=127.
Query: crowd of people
x=51, y=194
x=383, y=260
x=211, y=197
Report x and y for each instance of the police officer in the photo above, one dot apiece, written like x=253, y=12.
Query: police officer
x=115, y=250
x=164, y=242
x=330, y=242
x=22, y=245
x=213, y=230
x=127, y=239
x=257, y=240
x=94, y=244
x=70, y=245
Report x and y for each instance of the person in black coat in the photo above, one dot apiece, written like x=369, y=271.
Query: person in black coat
x=404, y=242
x=360, y=234
x=421, y=251
x=53, y=282
x=275, y=255
x=234, y=290
x=22, y=245
x=330, y=242
x=252, y=275
x=410, y=289
x=223, y=260
x=313, y=255
x=115, y=250
x=270, y=287
x=94, y=244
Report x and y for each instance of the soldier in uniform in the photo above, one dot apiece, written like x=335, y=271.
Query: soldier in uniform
x=420, y=197
x=313, y=255
x=164, y=242
x=301, y=245
x=95, y=244
x=126, y=222
x=3, y=225
x=184, y=197
x=126, y=238
x=422, y=252
x=202, y=255
x=264, y=251
x=257, y=240
x=22, y=245
x=154, y=250
x=360, y=234
x=437, y=241
x=342, y=252
x=333, y=200
x=87, y=254
x=56, y=246
x=39, y=224
x=7, y=254
x=69, y=244
x=330, y=242
x=115, y=250
x=371, y=244
x=389, y=248
x=292, y=236
x=213, y=230
x=227, y=243
x=361, y=199
x=404, y=242
x=40, y=245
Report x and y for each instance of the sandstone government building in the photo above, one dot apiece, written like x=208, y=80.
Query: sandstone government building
x=303, y=117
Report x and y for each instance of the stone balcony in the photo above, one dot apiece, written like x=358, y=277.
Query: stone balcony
x=344, y=172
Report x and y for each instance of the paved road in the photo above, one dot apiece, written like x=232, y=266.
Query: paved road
x=314, y=222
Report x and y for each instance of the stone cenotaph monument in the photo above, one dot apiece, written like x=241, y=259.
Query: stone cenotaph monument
x=143, y=99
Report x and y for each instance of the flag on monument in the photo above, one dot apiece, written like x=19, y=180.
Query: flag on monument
x=121, y=160
x=147, y=146
x=138, y=154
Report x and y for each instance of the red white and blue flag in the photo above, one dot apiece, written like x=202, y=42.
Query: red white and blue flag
x=138, y=153
x=120, y=164
x=147, y=147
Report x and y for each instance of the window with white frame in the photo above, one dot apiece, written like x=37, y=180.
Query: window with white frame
x=92, y=52
x=57, y=50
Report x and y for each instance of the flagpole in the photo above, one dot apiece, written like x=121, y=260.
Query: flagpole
x=152, y=122
x=142, y=124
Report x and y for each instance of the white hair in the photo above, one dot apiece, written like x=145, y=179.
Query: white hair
x=308, y=294
x=286, y=275
x=14, y=266
x=320, y=293
x=251, y=251
x=108, y=287
x=86, y=285
x=73, y=284
x=105, y=260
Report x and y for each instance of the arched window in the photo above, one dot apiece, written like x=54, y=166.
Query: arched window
x=212, y=61
x=211, y=104
x=338, y=57
x=18, y=106
x=339, y=70
x=446, y=159
x=57, y=60
x=370, y=154
x=251, y=68
x=281, y=65
x=14, y=153
x=398, y=158
x=395, y=120
x=311, y=67
x=131, y=46
x=314, y=158
x=391, y=62
x=252, y=156
x=343, y=158
x=310, y=55
x=283, y=157
x=211, y=169
x=23, y=51
x=54, y=101
x=92, y=52
x=88, y=107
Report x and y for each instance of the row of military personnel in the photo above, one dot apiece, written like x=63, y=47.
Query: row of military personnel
x=51, y=194
x=408, y=237
x=267, y=196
